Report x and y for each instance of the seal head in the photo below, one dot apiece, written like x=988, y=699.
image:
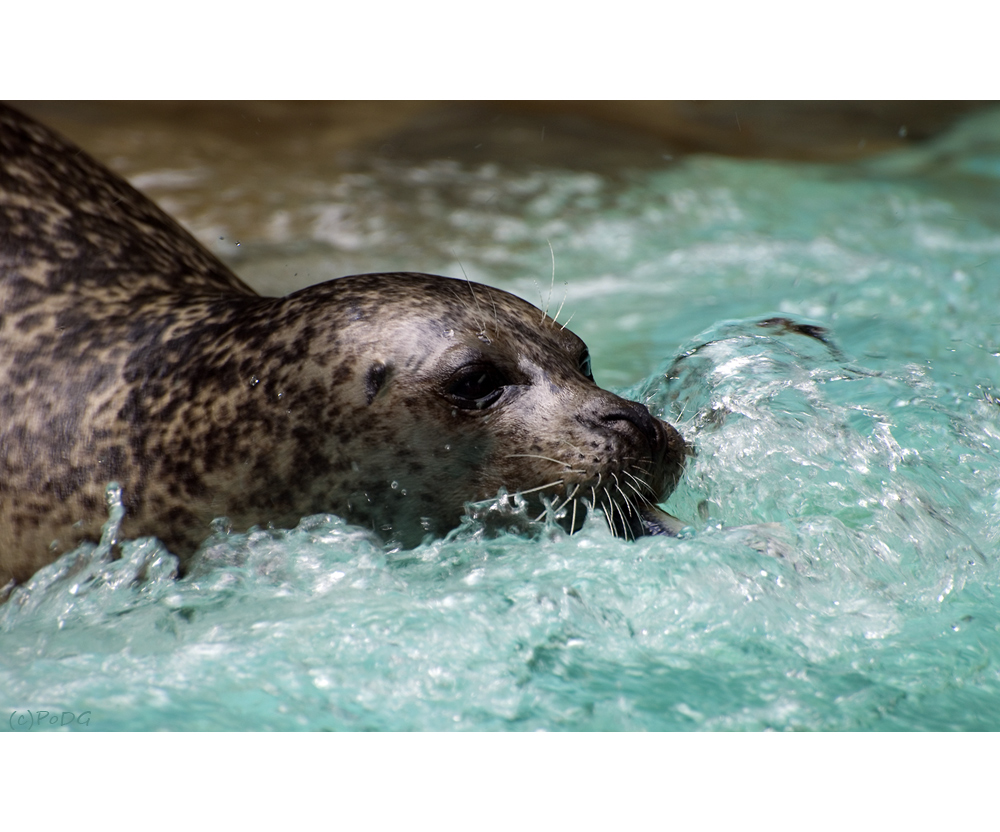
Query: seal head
x=468, y=389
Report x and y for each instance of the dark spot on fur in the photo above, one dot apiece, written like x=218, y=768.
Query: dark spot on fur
x=341, y=375
x=374, y=379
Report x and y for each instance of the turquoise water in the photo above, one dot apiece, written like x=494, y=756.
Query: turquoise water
x=842, y=563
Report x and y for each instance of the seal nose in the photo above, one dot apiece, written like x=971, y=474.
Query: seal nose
x=630, y=421
x=636, y=415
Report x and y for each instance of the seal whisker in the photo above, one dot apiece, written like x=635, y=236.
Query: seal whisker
x=618, y=488
x=641, y=487
x=643, y=482
x=496, y=318
x=548, y=510
x=570, y=497
x=566, y=465
x=638, y=467
x=632, y=487
x=633, y=477
x=643, y=498
x=609, y=511
x=628, y=533
x=555, y=319
x=627, y=499
x=482, y=325
x=548, y=300
x=541, y=487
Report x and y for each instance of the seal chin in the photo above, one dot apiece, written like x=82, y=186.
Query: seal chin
x=655, y=521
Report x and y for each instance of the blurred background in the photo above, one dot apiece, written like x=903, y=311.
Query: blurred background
x=356, y=186
x=570, y=133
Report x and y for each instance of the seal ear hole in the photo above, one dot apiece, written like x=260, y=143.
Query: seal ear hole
x=374, y=379
x=476, y=386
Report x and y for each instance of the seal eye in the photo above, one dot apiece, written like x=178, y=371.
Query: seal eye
x=476, y=386
x=585, y=367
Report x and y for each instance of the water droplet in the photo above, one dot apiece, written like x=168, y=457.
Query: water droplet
x=222, y=525
x=394, y=485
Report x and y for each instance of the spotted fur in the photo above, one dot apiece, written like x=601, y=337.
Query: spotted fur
x=129, y=353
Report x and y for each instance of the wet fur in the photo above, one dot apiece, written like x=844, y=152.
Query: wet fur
x=129, y=353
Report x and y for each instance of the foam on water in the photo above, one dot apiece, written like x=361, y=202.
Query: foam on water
x=842, y=564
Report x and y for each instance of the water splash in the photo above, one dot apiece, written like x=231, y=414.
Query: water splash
x=92, y=582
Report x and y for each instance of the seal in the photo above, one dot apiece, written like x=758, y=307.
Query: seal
x=128, y=353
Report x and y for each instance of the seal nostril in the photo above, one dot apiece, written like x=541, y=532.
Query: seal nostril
x=637, y=416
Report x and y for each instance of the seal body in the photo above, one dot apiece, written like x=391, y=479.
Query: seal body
x=129, y=353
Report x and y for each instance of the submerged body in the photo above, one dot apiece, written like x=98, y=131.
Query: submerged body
x=129, y=353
